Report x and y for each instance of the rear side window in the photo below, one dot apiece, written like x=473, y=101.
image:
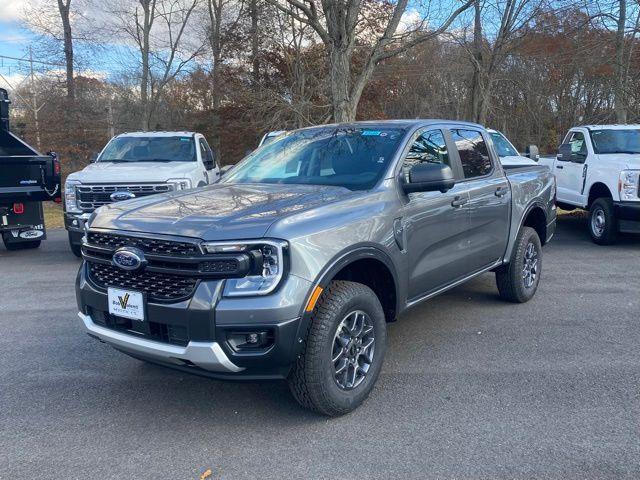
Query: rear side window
x=473, y=152
x=429, y=147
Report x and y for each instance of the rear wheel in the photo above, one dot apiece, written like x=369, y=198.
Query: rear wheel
x=603, y=224
x=518, y=280
x=343, y=352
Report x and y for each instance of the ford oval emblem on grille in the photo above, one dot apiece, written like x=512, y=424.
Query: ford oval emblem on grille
x=129, y=258
x=120, y=196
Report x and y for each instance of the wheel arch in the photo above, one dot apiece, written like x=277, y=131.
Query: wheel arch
x=598, y=190
x=369, y=265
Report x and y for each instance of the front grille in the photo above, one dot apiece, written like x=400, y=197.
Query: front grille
x=147, y=245
x=157, y=286
x=90, y=197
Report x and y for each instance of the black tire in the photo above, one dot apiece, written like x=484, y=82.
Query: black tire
x=313, y=380
x=513, y=285
x=603, y=224
x=76, y=248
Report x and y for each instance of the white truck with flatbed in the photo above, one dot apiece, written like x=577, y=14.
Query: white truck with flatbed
x=135, y=165
x=597, y=169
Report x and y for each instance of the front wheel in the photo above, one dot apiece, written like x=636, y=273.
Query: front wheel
x=518, y=280
x=343, y=352
x=603, y=225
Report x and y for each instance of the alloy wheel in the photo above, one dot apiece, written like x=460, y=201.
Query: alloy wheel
x=598, y=222
x=530, y=268
x=353, y=349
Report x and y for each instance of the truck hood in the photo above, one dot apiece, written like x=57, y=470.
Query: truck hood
x=624, y=160
x=143, y=172
x=216, y=212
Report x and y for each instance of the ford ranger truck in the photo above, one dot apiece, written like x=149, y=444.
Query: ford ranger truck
x=598, y=170
x=293, y=264
x=136, y=165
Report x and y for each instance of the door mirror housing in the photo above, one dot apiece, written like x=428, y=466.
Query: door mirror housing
x=224, y=169
x=93, y=158
x=532, y=152
x=429, y=177
x=566, y=155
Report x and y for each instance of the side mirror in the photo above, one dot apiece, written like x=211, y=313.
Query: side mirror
x=532, y=152
x=429, y=177
x=94, y=157
x=224, y=169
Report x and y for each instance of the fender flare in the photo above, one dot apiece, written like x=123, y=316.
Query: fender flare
x=534, y=204
x=338, y=262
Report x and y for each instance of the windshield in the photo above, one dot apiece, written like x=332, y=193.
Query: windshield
x=616, y=141
x=503, y=146
x=149, y=149
x=350, y=157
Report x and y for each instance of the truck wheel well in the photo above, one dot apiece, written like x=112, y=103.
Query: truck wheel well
x=375, y=275
x=598, y=190
x=537, y=220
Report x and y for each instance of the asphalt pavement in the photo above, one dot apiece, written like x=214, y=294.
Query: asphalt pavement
x=472, y=387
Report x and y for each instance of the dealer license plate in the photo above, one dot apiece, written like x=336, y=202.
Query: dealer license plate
x=125, y=303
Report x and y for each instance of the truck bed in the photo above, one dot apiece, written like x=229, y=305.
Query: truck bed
x=25, y=175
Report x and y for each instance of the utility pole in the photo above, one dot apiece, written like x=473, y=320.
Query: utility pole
x=34, y=99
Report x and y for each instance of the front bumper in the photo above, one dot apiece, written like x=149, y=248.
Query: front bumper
x=74, y=222
x=206, y=355
x=628, y=215
x=195, y=334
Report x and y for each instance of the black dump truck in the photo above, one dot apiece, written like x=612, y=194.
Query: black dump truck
x=27, y=178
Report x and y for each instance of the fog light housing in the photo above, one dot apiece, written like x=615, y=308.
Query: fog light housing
x=250, y=340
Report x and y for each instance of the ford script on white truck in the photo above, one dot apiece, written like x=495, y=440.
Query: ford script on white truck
x=597, y=169
x=136, y=165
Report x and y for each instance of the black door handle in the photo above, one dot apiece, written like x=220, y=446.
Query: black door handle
x=459, y=201
x=501, y=191
x=559, y=166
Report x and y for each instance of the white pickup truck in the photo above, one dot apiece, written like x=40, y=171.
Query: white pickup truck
x=134, y=165
x=597, y=168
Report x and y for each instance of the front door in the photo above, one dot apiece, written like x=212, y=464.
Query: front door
x=569, y=175
x=435, y=224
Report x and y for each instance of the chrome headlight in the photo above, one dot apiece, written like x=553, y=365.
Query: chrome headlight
x=180, y=183
x=628, y=184
x=70, y=196
x=267, y=265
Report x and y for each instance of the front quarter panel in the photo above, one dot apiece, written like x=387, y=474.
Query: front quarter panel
x=321, y=236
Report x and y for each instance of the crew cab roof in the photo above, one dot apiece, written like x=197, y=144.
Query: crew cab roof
x=401, y=123
x=632, y=126
x=157, y=134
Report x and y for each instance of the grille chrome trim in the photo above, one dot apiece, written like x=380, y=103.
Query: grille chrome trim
x=90, y=197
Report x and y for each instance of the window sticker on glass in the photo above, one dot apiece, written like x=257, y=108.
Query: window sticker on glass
x=371, y=133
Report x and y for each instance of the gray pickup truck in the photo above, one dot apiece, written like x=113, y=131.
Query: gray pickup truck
x=292, y=265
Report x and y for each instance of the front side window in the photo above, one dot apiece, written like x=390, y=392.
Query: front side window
x=616, y=141
x=578, y=145
x=149, y=149
x=429, y=147
x=473, y=152
x=205, y=151
x=350, y=157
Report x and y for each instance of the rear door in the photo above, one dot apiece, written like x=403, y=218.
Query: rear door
x=435, y=224
x=489, y=206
